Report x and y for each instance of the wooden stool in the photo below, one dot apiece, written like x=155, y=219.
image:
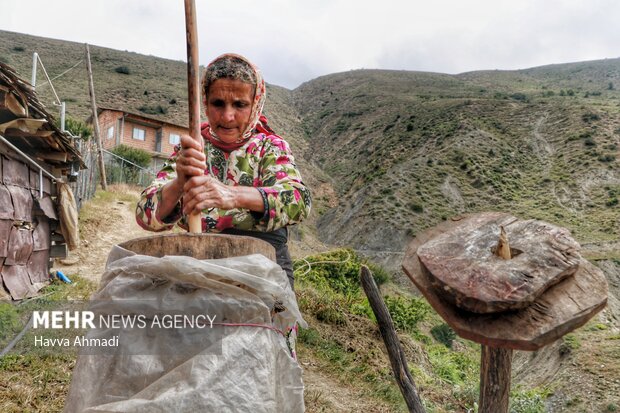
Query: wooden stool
x=544, y=292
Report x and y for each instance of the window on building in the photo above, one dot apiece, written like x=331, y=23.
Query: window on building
x=110, y=132
x=139, y=134
x=174, y=139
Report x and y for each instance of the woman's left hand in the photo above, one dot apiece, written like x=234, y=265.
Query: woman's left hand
x=203, y=192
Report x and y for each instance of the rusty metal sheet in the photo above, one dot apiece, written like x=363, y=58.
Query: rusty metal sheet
x=4, y=292
x=46, y=205
x=6, y=204
x=27, y=126
x=38, y=267
x=47, y=185
x=34, y=180
x=20, y=246
x=17, y=281
x=41, y=235
x=15, y=173
x=22, y=202
x=5, y=232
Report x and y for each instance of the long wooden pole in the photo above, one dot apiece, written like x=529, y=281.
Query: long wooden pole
x=93, y=105
x=395, y=351
x=193, y=90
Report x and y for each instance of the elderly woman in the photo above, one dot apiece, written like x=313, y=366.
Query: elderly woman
x=244, y=181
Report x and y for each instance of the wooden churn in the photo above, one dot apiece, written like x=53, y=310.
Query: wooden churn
x=532, y=294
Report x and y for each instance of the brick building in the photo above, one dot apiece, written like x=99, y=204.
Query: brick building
x=158, y=137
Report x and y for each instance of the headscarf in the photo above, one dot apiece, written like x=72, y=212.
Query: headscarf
x=258, y=122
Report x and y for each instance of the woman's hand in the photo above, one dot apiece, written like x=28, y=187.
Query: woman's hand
x=191, y=160
x=203, y=192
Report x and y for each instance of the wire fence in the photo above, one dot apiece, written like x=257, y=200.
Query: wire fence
x=118, y=171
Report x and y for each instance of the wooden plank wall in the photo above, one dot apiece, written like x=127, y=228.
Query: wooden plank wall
x=26, y=224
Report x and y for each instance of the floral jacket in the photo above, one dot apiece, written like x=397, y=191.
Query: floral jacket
x=265, y=162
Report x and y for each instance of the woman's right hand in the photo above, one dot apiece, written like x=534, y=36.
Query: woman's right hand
x=191, y=160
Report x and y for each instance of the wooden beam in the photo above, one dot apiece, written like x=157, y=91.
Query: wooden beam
x=495, y=367
x=93, y=106
x=52, y=156
x=395, y=351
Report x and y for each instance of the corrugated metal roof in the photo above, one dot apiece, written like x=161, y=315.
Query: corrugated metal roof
x=26, y=123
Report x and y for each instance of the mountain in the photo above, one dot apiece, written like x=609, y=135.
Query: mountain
x=390, y=153
x=406, y=150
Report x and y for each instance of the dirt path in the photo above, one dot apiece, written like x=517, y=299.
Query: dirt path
x=103, y=225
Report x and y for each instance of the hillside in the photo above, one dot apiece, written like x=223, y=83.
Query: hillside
x=421, y=147
x=390, y=153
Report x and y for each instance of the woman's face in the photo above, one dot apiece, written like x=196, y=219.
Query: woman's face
x=229, y=105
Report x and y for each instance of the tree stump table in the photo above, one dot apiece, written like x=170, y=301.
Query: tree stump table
x=544, y=291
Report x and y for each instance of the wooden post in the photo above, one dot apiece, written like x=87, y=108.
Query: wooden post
x=93, y=105
x=193, y=90
x=496, y=363
x=495, y=370
x=394, y=349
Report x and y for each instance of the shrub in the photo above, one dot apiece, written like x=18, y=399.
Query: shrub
x=153, y=110
x=519, y=96
x=407, y=313
x=589, y=141
x=76, y=127
x=138, y=156
x=19, y=49
x=416, y=207
x=607, y=158
x=531, y=401
x=590, y=117
x=570, y=342
x=124, y=70
x=444, y=334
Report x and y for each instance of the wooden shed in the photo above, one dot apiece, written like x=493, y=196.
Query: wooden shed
x=35, y=156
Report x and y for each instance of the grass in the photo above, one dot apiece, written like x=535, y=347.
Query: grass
x=32, y=382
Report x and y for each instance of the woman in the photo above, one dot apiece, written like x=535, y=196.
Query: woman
x=244, y=181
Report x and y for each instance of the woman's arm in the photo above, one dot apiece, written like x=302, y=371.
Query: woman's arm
x=159, y=207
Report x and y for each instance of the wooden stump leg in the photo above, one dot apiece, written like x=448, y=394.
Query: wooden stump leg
x=495, y=369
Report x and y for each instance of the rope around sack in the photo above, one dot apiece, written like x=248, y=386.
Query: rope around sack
x=309, y=264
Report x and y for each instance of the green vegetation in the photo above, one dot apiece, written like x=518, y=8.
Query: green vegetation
x=31, y=382
x=138, y=156
x=122, y=69
x=76, y=127
x=528, y=401
x=153, y=109
x=337, y=310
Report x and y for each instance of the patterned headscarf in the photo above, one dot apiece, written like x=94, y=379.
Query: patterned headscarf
x=256, y=118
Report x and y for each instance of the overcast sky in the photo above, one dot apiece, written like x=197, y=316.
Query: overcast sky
x=295, y=41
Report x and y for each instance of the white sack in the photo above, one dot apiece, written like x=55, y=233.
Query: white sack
x=255, y=372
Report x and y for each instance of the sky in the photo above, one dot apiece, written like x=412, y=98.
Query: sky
x=293, y=41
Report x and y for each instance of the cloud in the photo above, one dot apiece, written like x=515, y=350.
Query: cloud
x=295, y=41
